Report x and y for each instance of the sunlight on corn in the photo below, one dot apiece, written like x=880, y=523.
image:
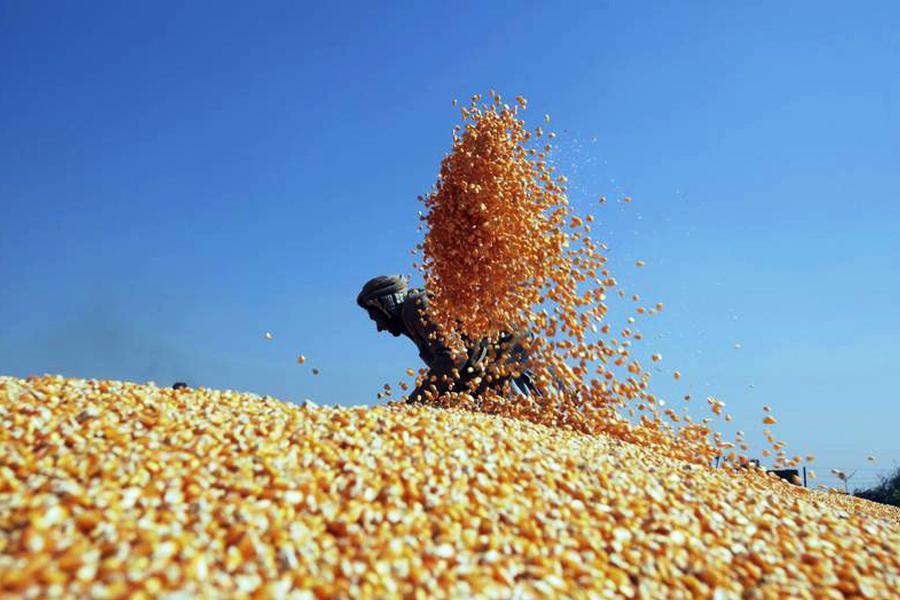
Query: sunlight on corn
x=116, y=490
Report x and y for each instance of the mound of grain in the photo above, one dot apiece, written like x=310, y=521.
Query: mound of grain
x=115, y=490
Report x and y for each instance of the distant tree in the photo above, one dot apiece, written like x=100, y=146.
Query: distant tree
x=886, y=492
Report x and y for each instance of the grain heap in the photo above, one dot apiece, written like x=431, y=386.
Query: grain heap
x=116, y=490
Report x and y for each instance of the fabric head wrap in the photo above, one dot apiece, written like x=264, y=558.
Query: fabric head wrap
x=385, y=293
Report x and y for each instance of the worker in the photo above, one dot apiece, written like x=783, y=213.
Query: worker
x=403, y=311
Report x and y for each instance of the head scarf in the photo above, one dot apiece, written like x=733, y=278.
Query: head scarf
x=385, y=293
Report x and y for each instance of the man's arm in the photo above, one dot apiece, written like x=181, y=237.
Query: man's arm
x=444, y=366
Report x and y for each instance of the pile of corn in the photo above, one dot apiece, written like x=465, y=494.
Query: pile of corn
x=117, y=490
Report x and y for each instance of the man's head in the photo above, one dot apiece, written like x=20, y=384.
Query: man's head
x=382, y=297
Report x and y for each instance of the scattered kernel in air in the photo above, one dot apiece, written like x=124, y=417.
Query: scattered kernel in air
x=315, y=371
x=268, y=335
x=301, y=359
x=548, y=261
x=496, y=167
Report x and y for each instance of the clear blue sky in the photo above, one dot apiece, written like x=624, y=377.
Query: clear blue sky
x=178, y=178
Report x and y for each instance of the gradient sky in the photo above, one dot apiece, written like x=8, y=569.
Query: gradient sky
x=176, y=179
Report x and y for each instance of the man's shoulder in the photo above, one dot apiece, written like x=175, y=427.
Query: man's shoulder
x=413, y=306
x=416, y=297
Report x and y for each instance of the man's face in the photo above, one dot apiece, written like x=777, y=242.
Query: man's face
x=382, y=323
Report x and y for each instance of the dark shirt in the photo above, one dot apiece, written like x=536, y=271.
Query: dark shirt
x=448, y=371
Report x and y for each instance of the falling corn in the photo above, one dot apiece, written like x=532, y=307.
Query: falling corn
x=504, y=251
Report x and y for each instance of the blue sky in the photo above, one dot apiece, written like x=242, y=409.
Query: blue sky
x=176, y=179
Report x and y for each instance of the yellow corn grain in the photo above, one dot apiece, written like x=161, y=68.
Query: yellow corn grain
x=395, y=501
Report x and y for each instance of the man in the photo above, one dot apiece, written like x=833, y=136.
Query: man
x=401, y=311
